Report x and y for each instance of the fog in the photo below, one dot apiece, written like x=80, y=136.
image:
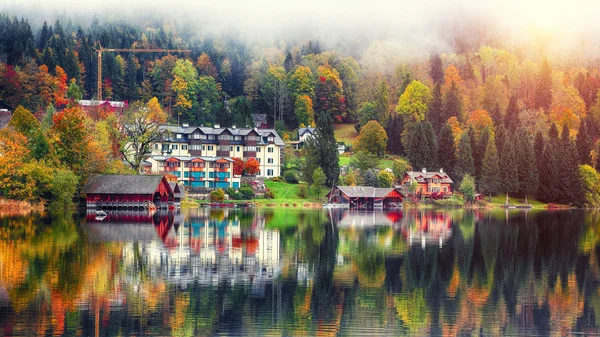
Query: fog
x=432, y=25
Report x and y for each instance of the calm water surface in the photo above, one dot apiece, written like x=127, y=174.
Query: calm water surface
x=291, y=273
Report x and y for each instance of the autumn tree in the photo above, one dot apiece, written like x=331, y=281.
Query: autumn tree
x=14, y=152
x=73, y=138
x=385, y=179
x=304, y=110
x=412, y=106
x=140, y=128
x=24, y=121
x=329, y=94
x=238, y=166
x=372, y=139
x=252, y=167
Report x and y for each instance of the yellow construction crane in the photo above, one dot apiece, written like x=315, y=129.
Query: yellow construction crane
x=101, y=50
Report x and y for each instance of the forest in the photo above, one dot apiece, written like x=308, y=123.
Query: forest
x=518, y=120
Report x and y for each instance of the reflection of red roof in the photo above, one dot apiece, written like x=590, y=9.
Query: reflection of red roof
x=394, y=216
x=236, y=242
x=251, y=245
x=221, y=247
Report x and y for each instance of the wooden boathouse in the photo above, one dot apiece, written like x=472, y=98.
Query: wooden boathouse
x=118, y=191
x=365, y=197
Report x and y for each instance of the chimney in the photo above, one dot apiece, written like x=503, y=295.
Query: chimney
x=233, y=126
x=216, y=126
x=424, y=170
x=185, y=125
x=442, y=170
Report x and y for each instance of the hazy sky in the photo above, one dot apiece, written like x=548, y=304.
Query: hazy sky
x=406, y=21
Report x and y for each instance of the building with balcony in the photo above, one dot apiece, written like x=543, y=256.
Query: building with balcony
x=189, y=144
x=205, y=172
x=429, y=184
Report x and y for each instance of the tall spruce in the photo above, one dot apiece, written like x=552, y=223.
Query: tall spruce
x=584, y=144
x=446, y=149
x=479, y=149
x=548, y=173
x=464, y=158
x=538, y=146
x=490, y=168
x=511, y=119
x=568, y=169
x=527, y=166
x=543, y=91
x=436, y=68
x=453, y=103
x=322, y=148
x=509, y=177
x=436, y=114
x=382, y=104
x=394, y=130
x=422, y=145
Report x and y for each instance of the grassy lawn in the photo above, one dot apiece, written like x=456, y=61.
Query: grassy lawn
x=500, y=199
x=345, y=133
x=383, y=163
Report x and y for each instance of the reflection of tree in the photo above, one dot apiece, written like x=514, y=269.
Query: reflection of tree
x=413, y=311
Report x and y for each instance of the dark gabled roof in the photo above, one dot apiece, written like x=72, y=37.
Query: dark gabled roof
x=5, y=117
x=302, y=131
x=259, y=119
x=113, y=104
x=365, y=191
x=122, y=184
x=177, y=191
x=175, y=129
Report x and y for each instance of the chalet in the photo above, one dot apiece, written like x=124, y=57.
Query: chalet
x=95, y=105
x=365, y=197
x=429, y=184
x=128, y=191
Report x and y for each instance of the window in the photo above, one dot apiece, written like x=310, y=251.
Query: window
x=270, y=149
x=179, y=136
x=258, y=159
x=237, y=138
x=271, y=138
x=210, y=148
x=203, y=147
x=269, y=173
x=174, y=147
x=184, y=147
x=186, y=164
x=237, y=149
x=195, y=147
x=196, y=136
x=211, y=137
x=258, y=149
x=224, y=137
x=251, y=138
x=186, y=174
x=270, y=160
x=156, y=146
x=250, y=148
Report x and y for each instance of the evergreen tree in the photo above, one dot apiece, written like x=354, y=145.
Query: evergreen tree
x=500, y=138
x=509, y=176
x=543, y=91
x=538, y=147
x=548, y=173
x=422, y=146
x=464, y=158
x=553, y=136
x=45, y=34
x=436, y=69
x=394, y=131
x=527, y=166
x=436, y=114
x=490, y=168
x=446, y=149
x=584, y=144
x=382, y=105
x=453, y=104
x=324, y=139
x=480, y=148
x=511, y=119
x=568, y=175
x=288, y=64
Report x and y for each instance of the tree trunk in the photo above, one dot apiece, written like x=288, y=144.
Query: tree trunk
x=506, y=202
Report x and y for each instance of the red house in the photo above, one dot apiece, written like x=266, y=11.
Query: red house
x=128, y=191
x=429, y=184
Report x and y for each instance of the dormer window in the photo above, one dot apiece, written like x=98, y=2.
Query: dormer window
x=179, y=136
x=271, y=138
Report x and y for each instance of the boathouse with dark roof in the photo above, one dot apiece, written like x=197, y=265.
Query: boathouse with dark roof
x=366, y=197
x=128, y=191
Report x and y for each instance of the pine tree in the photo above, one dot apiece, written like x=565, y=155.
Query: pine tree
x=480, y=148
x=543, y=92
x=464, y=158
x=509, y=178
x=568, y=175
x=584, y=144
x=436, y=114
x=329, y=156
x=538, y=146
x=548, y=173
x=446, y=149
x=394, y=131
x=382, y=103
x=436, y=69
x=288, y=64
x=511, y=119
x=422, y=146
x=490, y=169
x=527, y=166
x=453, y=105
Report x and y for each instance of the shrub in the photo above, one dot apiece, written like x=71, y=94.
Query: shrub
x=303, y=191
x=385, y=179
x=217, y=195
x=232, y=193
x=453, y=202
x=269, y=194
x=245, y=193
x=290, y=177
x=467, y=187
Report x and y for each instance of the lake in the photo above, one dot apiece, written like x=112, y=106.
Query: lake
x=292, y=272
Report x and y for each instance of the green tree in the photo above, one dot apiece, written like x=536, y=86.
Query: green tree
x=422, y=146
x=328, y=152
x=385, y=179
x=467, y=187
x=24, y=121
x=464, y=158
x=217, y=195
x=490, y=169
x=63, y=188
x=363, y=161
x=569, y=187
x=349, y=179
x=241, y=111
x=412, y=106
x=436, y=114
x=367, y=112
x=511, y=119
x=300, y=82
x=304, y=110
x=436, y=69
x=446, y=149
x=372, y=139
x=318, y=181
x=74, y=94
x=394, y=130
x=453, y=103
x=584, y=144
x=399, y=167
x=590, y=185
x=370, y=178
x=548, y=173
x=543, y=91
x=509, y=177
x=381, y=102
x=527, y=171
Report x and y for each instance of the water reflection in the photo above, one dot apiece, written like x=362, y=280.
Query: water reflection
x=288, y=272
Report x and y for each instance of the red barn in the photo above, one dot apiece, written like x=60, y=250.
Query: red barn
x=128, y=191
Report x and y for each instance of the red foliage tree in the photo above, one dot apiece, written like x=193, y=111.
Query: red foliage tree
x=252, y=166
x=238, y=166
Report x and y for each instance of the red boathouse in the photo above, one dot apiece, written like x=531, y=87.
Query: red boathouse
x=128, y=191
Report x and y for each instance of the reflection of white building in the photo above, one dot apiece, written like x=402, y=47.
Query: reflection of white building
x=428, y=229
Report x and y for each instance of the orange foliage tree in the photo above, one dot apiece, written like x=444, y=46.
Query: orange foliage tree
x=60, y=94
x=238, y=166
x=252, y=166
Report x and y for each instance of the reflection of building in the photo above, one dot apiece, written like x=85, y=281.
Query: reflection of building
x=348, y=218
x=428, y=228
